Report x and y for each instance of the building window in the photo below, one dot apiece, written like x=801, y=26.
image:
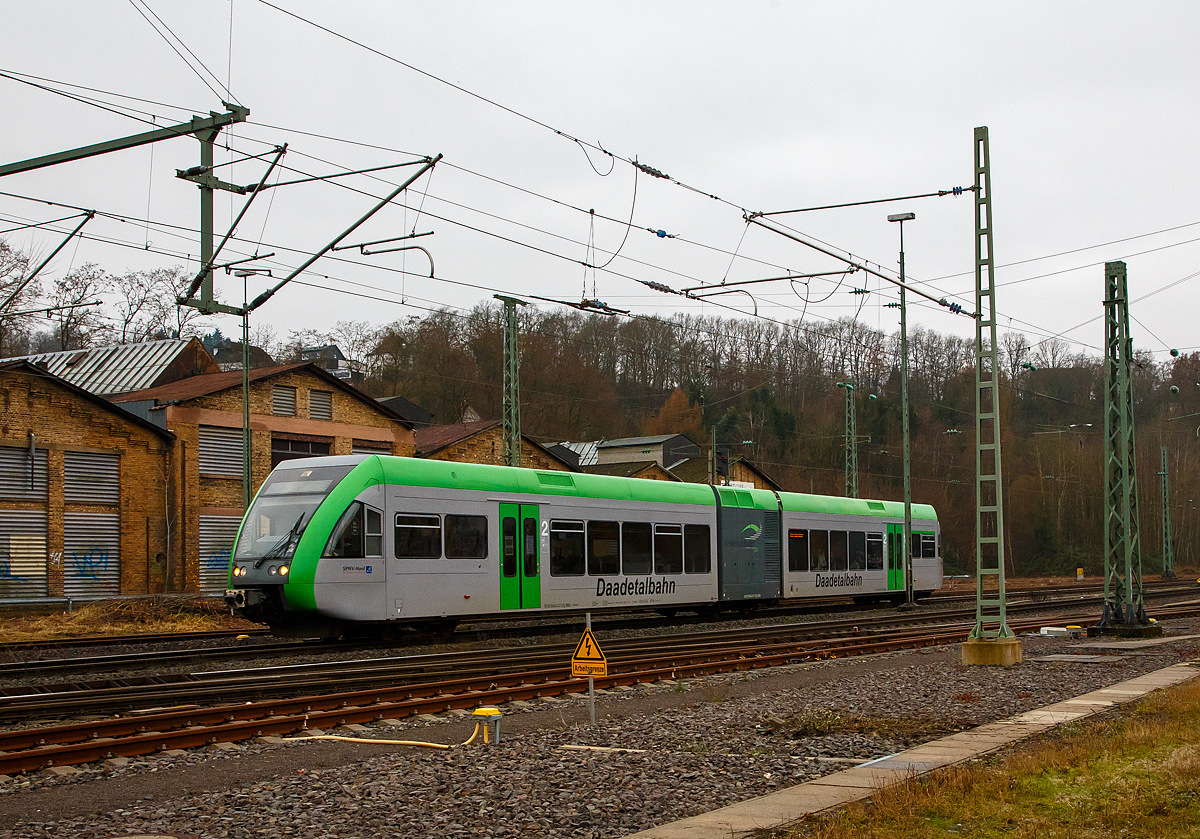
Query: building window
x=320, y=404
x=283, y=401
x=220, y=451
x=284, y=449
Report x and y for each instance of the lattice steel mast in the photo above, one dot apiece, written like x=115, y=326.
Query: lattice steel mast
x=1123, y=604
x=512, y=383
x=991, y=618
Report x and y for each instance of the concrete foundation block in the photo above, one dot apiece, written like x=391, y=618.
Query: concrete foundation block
x=992, y=652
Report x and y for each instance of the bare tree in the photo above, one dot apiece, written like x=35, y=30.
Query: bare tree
x=79, y=325
x=15, y=329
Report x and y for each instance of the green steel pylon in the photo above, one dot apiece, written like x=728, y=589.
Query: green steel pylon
x=991, y=617
x=1123, y=603
x=1168, y=550
x=851, y=443
x=512, y=383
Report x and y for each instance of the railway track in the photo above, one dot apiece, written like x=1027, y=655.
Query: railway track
x=34, y=673
x=540, y=672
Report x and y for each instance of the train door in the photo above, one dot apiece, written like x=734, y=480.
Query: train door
x=895, y=557
x=520, y=578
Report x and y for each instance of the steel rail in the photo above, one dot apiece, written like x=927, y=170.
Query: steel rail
x=79, y=743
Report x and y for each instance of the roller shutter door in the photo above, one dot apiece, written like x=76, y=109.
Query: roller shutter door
x=17, y=480
x=91, y=555
x=23, y=553
x=362, y=448
x=220, y=451
x=91, y=478
x=217, y=534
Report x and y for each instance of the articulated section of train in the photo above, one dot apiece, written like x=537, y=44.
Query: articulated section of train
x=354, y=544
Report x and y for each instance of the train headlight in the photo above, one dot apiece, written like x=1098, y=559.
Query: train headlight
x=283, y=570
x=239, y=570
x=273, y=570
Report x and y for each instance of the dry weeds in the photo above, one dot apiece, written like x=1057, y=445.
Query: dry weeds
x=123, y=617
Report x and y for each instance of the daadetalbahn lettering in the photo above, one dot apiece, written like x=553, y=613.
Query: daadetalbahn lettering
x=839, y=580
x=634, y=587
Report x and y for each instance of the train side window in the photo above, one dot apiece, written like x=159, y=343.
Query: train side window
x=818, y=550
x=858, y=550
x=797, y=550
x=928, y=546
x=508, y=547
x=346, y=541
x=668, y=549
x=604, y=548
x=466, y=537
x=915, y=545
x=530, y=541
x=874, y=551
x=636, y=557
x=566, y=549
x=697, y=549
x=418, y=537
x=374, y=532
x=837, y=550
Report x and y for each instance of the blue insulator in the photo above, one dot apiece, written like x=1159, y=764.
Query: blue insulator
x=958, y=190
x=1174, y=353
x=662, y=234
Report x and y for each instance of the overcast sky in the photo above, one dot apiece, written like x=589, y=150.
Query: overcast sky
x=766, y=105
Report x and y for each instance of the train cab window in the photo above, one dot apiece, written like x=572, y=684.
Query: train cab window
x=604, y=548
x=636, y=556
x=797, y=550
x=530, y=545
x=508, y=547
x=566, y=549
x=668, y=549
x=818, y=550
x=418, y=537
x=837, y=550
x=358, y=533
x=374, y=538
x=858, y=550
x=697, y=549
x=928, y=546
x=874, y=551
x=466, y=537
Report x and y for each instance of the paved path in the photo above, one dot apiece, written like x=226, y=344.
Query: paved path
x=858, y=783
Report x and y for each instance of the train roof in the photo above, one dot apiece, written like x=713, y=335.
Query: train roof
x=481, y=477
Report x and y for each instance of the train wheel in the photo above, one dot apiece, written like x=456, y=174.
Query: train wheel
x=667, y=613
x=445, y=628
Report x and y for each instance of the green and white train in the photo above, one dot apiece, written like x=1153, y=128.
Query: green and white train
x=368, y=543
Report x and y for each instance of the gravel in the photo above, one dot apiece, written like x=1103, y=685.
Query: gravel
x=666, y=751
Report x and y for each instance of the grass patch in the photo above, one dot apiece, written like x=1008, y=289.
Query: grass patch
x=1137, y=775
x=124, y=617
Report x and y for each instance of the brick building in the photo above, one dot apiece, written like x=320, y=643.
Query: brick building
x=482, y=442
x=83, y=487
x=296, y=410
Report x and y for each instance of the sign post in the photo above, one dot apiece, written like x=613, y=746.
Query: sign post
x=589, y=660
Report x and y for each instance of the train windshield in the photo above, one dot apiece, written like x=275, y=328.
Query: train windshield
x=283, y=508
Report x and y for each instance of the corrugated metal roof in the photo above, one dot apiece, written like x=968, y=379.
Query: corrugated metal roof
x=585, y=450
x=637, y=441
x=108, y=370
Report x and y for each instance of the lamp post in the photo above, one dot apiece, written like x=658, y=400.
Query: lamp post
x=908, y=567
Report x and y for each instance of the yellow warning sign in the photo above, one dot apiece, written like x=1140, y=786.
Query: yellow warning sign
x=588, y=659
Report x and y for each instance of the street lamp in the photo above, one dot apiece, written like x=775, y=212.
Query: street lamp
x=908, y=580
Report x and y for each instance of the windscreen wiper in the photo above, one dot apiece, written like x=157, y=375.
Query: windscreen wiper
x=280, y=547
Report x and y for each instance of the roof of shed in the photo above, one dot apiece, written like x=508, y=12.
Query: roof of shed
x=117, y=369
